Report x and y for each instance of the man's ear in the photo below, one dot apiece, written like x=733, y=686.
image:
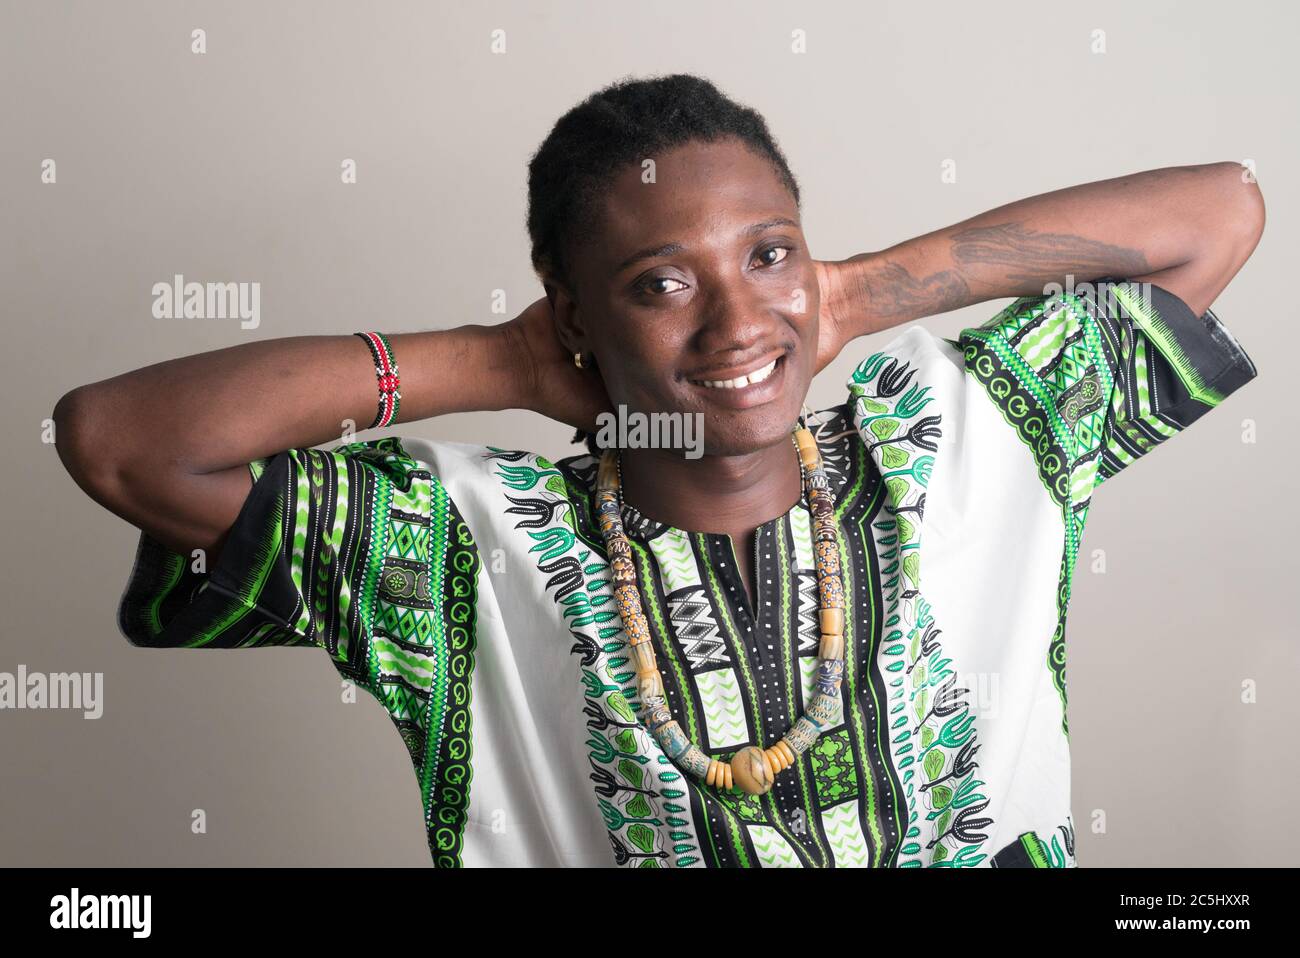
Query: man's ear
x=568, y=321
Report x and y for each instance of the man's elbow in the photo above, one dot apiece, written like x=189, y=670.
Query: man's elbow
x=1253, y=216
x=1240, y=218
x=1230, y=224
x=79, y=440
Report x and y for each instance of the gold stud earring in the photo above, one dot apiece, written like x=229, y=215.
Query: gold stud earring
x=577, y=360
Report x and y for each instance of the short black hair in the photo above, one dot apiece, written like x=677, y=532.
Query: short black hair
x=626, y=122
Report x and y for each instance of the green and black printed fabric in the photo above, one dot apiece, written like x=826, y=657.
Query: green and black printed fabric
x=1123, y=367
x=1093, y=381
x=467, y=589
x=357, y=551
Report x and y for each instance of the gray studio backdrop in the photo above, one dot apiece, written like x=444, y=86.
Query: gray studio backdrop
x=226, y=165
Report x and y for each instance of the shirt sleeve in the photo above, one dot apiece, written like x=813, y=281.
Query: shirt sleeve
x=1122, y=367
x=360, y=551
x=330, y=549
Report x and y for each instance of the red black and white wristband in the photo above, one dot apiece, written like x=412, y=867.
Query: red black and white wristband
x=389, y=383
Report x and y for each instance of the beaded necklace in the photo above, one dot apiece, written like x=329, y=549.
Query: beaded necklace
x=753, y=770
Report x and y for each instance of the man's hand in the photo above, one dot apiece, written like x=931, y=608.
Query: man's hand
x=835, y=283
x=551, y=384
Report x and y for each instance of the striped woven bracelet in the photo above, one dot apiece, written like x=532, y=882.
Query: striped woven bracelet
x=389, y=383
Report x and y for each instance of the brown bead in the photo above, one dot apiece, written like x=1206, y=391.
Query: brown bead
x=637, y=630
x=831, y=647
x=624, y=575
x=827, y=551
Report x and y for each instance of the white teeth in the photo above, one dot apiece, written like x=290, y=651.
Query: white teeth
x=755, y=377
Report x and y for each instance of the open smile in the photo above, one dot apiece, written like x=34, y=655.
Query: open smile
x=750, y=388
x=740, y=382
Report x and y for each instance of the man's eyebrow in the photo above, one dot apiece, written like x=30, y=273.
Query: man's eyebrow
x=668, y=249
x=768, y=224
x=653, y=252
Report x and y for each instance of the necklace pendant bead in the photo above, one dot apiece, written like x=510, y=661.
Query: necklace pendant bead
x=751, y=770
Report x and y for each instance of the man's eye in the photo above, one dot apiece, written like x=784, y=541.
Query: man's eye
x=784, y=251
x=651, y=285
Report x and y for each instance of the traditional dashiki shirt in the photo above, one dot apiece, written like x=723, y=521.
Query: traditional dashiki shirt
x=466, y=588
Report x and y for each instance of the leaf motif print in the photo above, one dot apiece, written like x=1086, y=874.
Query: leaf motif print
x=935, y=753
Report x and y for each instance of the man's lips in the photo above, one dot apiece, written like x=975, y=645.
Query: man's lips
x=738, y=376
x=771, y=379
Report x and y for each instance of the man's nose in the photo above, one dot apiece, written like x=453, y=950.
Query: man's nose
x=737, y=316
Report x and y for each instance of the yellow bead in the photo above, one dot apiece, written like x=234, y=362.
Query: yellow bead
x=607, y=474
x=643, y=658
x=809, y=454
x=786, y=751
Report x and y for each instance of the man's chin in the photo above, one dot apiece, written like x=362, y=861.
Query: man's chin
x=747, y=432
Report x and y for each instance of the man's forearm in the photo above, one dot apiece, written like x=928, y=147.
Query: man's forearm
x=166, y=446
x=1194, y=219
x=210, y=411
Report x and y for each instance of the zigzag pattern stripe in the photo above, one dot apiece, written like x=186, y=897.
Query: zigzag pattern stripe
x=724, y=709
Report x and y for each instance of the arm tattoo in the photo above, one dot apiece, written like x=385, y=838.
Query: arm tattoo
x=1007, y=259
x=1013, y=253
x=891, y=292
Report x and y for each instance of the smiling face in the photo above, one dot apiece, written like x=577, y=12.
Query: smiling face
x=697, y=294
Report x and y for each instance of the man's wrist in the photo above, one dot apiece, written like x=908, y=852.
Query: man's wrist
x=503, y=371
x=469, y=368
x=908, y=281
x=847, y=296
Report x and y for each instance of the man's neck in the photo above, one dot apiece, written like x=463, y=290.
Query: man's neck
x=721, y=494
